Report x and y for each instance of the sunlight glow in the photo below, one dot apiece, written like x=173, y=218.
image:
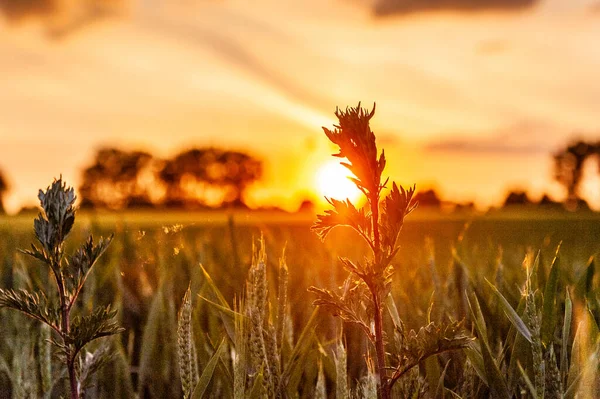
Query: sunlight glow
x=332, y=182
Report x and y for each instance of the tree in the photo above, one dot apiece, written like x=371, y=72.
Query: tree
x=209, y=177
x=4, y=187
x=568, y=167
x=428, y=198
x=547, y=202
x=517, y=198
x=119, y=179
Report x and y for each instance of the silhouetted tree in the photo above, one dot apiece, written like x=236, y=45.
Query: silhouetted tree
x=428, y=198
x=549, y=203
x=3, y=190
x=307, y=206
x=517, y=198
x=568, y=167
x=209, y=177
x=119, y=179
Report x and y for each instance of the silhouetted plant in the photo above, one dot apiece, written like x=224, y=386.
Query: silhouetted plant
x=71, y=334
x=363, y=297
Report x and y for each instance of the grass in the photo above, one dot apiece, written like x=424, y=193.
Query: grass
x=460, y=306
x=146, y=280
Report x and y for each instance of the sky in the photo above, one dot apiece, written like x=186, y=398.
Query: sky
x=469, y=103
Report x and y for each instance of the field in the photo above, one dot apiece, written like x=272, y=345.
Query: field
x=443, y=260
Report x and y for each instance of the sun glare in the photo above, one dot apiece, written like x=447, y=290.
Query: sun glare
x=332, y=182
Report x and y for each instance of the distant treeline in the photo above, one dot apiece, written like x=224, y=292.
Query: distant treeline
x=194, y=179
x=202, y=178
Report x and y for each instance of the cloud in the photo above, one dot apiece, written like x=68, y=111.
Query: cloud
x=595, y=8
x=387, y=7
x=17, y=10
x=493, y=145
x=238, y=53
x=519, y=139
x=59, y=19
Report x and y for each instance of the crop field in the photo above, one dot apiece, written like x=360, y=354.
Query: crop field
x=300, y=199
x=440, y=275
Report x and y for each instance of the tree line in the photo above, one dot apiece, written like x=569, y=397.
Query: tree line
x=212, y=178
x=198, y=178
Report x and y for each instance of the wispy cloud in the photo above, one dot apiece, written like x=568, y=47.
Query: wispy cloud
x=384, y=7
x=521, y=138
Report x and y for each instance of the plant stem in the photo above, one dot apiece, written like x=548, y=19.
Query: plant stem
x=374, y=201
x=382, y=385
x=73, y=379
x=65, y=327
x=383, y=391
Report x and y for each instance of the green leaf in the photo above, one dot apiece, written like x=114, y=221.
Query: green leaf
x=35, y=305
x=514, y=318
x=495, y=379
x=208, y=372
x=79, y=265
x=473, y=351
x=101, y=323
x=344, y=213
x=520, y=351
x=215, y=289
x=527, y=380
x=549, y=308
x=478, y=316
x=38, y=254
x=429, y=341
x=566, y=332
x=257, y=391
x=293, y=367
x=585, y=284
x=225, y=311
x=227, y=317
x=440, y=383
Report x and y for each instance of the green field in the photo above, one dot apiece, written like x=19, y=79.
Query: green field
x=443, y=258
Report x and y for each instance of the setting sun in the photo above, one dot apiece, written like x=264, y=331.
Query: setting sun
x=332, y=182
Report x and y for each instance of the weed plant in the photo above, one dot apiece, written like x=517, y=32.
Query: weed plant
x=366, y=291
x=70, y=334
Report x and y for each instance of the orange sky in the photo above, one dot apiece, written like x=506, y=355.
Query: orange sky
x=471, y=103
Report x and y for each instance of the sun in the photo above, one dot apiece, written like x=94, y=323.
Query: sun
x=332, y=182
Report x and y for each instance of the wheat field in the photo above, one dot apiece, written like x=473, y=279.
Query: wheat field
x=444, y=262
